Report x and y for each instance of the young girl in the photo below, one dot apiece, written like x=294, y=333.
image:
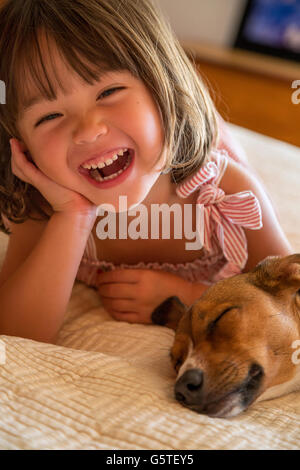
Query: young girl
x=101, y=102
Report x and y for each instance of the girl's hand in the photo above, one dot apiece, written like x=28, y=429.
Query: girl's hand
x=60, y=198
x=131, y=295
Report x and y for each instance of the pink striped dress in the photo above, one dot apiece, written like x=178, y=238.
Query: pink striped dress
x=223, y=218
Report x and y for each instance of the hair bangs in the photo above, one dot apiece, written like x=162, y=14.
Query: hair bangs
x=35, y=74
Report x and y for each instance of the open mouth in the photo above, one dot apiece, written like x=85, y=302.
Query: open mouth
x=112, y=171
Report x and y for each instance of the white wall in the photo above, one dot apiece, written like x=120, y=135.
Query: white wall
x=207, y=21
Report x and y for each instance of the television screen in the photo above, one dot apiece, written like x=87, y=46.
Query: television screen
x=271, y=27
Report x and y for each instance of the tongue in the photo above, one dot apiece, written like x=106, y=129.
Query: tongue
x=115, y=166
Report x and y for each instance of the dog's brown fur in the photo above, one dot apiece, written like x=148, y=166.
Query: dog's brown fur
x=239, y=334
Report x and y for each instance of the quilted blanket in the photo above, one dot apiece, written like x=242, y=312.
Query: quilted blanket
x=109, y=385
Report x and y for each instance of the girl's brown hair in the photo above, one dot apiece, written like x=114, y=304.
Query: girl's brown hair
x=94, y=36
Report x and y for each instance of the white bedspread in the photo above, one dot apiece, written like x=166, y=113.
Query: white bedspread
x=109, y=385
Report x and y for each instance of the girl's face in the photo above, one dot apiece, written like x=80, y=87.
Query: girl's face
x=92, y=123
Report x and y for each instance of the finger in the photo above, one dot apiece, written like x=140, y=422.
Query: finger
x=118, y=275
x=16, y=167
x=20, y=165
x=116, y=290
x=30, y=173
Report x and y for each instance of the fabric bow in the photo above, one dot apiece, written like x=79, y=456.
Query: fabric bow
x=222, y=217
x=225, y=216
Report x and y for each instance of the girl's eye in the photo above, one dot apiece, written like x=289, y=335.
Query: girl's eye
x=110, y=91
x=47, y=118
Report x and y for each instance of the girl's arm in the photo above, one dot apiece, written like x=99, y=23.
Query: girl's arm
x=34, y=297
x=270, y=239
x=41, y=265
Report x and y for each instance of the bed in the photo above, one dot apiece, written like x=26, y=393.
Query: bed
x=109, y=385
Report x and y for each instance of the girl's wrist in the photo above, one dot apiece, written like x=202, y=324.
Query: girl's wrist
x=192, y=292
x=82, y=221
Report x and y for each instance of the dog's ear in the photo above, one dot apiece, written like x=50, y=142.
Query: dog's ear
x=169, y=312
x=275, y=273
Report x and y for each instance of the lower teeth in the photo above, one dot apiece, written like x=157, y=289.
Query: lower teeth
x=98, y=177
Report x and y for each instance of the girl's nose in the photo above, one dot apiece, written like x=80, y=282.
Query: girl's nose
x=90, y=127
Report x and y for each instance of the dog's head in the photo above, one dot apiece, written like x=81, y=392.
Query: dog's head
x=235, y=343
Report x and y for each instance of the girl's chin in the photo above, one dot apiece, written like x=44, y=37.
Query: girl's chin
x=119, y=204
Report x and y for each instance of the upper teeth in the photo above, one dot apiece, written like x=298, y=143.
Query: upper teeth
x=104, y=163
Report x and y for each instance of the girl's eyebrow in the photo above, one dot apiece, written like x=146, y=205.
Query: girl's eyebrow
x=34, y=100
x=31, y=102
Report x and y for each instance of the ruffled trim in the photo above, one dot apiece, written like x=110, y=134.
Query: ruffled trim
x=203, y=262
x=199, y=270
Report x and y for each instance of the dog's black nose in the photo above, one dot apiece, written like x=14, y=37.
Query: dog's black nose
x=188, y=387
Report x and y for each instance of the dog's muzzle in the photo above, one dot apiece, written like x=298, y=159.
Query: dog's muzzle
x=189, y=391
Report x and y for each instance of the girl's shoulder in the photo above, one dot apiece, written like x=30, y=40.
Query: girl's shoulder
x=238, y=177
x=219, y=170
x=230, y=175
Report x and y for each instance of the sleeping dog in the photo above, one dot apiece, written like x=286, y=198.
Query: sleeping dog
x=240, y=342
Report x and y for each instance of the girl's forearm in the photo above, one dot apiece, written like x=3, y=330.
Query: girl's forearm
x=34, y=299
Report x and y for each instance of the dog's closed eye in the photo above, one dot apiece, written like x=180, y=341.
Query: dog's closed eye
x=212, y=324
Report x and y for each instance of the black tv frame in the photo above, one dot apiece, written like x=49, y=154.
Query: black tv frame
x=242, y=42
